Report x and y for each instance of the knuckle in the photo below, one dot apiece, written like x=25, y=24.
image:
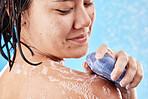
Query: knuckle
x=119, y=72
x=136, y=82
x=131, y=58
x=123, y=55
x=124, y=58
x=123, y=52
x=126, y=80
x=104, y=45
x=140, y=66
x=133, y=85
x=133, y=67
x=140, y=75
x=140, y=69
x=132, y=61
x=139, y=63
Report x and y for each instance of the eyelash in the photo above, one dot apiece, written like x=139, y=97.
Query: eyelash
x=64, y=11
x=88, y=4
x=67, y=11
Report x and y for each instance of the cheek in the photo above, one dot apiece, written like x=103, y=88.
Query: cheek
x=92, y=13
x=60, y=28
x=64, y=24
x=56, y=30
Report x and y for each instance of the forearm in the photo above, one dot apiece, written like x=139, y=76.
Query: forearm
x=128, y=94
x=133, y=94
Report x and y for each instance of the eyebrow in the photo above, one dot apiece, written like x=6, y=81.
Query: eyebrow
x=62, y=0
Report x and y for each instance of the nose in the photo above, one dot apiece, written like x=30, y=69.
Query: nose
x=82, y=19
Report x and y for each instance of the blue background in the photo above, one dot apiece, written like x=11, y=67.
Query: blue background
x=122, y=25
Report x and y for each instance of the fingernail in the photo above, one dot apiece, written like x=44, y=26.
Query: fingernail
x=114, y=77
x=85, y=65
x=122, y=84
x=82, y=64
x=98, y=55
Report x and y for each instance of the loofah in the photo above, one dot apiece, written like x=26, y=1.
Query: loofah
x=103, y=67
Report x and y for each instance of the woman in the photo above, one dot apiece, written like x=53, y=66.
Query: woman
x=47, y=31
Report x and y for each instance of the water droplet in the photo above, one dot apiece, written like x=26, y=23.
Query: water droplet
x=53, y=79
x=106, y=91
x=45, y=70
x=17, y=69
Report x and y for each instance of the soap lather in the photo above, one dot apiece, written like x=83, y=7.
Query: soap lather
x=103, y=67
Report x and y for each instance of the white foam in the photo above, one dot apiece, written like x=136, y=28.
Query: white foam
x=43, y=94
x=60, y=69
x=53, y=79
x=63, y=92
x=17, y=69
x=29, y=97
x=84, y=89
x=53, y=62
x=45, y=70
x=33, y=67
x=75, y=74
x=65, y=77
x=72, y=77
x=25, y=72
x=61, y=62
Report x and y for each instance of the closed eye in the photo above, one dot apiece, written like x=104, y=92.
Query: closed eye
x=88, y=4
x=64, y=11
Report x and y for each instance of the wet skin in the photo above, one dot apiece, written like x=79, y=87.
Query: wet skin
x=54, y=31
x=55, y=81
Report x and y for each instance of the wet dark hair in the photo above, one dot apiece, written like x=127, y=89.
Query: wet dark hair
x=10, y=27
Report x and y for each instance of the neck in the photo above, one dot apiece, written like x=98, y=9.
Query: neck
x=37, y=56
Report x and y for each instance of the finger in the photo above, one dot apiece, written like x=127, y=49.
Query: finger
x=138, y=77
x=102, y=50
x=130, y=72
x=86, y=68
x=120, y=65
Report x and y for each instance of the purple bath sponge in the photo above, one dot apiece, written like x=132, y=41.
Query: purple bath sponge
x=103, y=67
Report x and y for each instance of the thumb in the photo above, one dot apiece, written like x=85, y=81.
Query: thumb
x=86, y=68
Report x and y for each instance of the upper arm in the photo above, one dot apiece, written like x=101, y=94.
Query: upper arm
x=105, y=89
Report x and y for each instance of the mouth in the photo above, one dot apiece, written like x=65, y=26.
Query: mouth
x=81, y=39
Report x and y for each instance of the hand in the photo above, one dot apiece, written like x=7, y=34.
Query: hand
x=134, y=72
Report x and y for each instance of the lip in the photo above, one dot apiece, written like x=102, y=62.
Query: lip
x=81, y=39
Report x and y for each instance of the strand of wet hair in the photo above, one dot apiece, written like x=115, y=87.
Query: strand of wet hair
x=9, y=31
x=14, y=40
x=3, y=9
x=6, y=33
x=18, y=28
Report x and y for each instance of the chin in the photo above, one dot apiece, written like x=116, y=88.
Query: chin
x=78, y=54
x=81, y=55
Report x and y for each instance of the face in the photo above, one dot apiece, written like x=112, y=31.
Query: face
x=59, y=28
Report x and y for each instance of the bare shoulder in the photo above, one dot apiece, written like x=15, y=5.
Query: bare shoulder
x=54, y=81
x=104, y=89
x=75, y=84
x=89, y=86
